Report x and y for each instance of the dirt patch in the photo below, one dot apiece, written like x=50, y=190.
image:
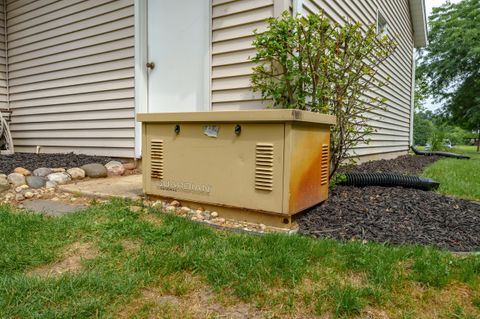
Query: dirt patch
x=406, y=165
x=152, y=219
x=422, y=302
x=395, y=215
x=371, y=313
x=33, y=161
x=198, y=302
x=71, y=262
x=131, y=245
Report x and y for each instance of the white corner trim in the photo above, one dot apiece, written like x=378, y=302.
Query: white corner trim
x=297, y=7
x=412, y=100
x=141, y=76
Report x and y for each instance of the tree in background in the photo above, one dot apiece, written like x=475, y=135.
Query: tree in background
x=451, y=62
x=422, y=128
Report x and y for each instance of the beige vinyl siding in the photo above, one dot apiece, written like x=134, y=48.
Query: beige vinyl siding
x=393, y=123
x=71, y=75
x=232, y=26
x=3, y=54
x=233, y=23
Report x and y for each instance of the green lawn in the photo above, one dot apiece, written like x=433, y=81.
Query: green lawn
x=147, y=264
x=459, y=178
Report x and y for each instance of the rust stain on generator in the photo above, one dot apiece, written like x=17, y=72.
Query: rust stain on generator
x=261, y=166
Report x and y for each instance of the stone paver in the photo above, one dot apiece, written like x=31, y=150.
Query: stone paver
x=52, y=208
x=122, y=186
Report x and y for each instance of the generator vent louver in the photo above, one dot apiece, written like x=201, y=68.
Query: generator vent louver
x=264, y=167
x=324, y=165
x=156, y=152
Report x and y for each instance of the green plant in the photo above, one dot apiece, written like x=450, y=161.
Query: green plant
x=337, y=179
x=347, y=300
x=437, y=138
x=312, y=63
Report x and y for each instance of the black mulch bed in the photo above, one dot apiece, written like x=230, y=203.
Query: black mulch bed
x=406, y=164
x=395, y=215
x=33, y=161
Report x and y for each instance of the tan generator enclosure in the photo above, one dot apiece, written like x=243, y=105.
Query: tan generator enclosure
x=261, y=166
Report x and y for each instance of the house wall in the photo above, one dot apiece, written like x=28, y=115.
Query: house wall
x=71, y=75
x=233, y=23
x=232, y=26
x=71, y=69
x=393, y=123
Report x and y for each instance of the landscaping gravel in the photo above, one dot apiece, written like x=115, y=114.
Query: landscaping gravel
x=33, y=161
x=395, y=215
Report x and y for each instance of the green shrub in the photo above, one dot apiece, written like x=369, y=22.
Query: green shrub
x=312, y=63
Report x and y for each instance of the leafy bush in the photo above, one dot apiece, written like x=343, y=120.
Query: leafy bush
x=438, y=137
x=337, y=179
x=312, y=63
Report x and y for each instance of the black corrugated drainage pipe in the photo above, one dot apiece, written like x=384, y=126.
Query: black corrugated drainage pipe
x=390, y=180
x=444, y=154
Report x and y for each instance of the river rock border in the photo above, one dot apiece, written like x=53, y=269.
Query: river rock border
x=26, y=183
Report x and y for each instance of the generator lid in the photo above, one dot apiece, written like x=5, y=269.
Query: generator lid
x=250, y=116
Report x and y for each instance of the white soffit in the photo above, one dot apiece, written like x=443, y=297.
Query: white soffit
x=419, y=23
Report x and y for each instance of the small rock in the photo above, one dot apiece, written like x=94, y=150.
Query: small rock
x=23, y=171
x=50, y=184
x=262, y=226
x=59, y=178
x=175, y=203
x=9, y=196
x=170, y=209
x=18, y=189
x=36, y=181
x=185, y=210
x=3, y=176
x=221, y=220
x=129, y=166
x=42, y=171
x=55, y=199
x=16, y=179
x=115, y=168
x=214, y=214
x=19, y=197
x=95, y=170
x=4, y=185
x=198, y=212
x=58, y=170
x=28, y=194
x=76, y=173
x=157, y=204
